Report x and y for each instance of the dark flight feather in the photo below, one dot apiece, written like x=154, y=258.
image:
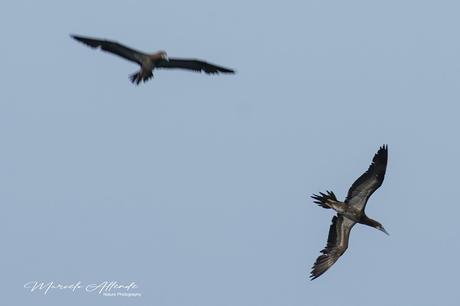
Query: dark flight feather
x=369, y=181
x=337, y=244
x=192, y=64
x=112, y=47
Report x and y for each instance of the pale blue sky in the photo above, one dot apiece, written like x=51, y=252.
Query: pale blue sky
x=197, y=187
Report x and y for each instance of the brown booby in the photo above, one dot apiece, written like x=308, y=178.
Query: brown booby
x=148, y=62
x=349, y=212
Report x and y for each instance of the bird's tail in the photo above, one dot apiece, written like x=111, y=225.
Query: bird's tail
x=139, y=76
x=323, y=198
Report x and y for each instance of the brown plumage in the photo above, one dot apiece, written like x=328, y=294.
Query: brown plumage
x=349, y=212
x=149, y=62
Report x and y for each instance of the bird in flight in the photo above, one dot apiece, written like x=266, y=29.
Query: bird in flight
x=349, y=212
x=148, y=62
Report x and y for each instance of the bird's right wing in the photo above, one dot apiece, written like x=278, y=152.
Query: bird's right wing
x=112, y=47
x=192, y=64
x=369, y=181
x=337, y=244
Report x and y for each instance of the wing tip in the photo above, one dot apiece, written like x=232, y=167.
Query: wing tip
x=320, y=266
x=81, y=39
x=214, y=69
x=227, y=70
x=219, y=70
x=90, y=42
x=76, y=37
x=382, y=153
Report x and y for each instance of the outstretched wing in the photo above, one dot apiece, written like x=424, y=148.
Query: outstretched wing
x=369, y=181
x=112, y=47
x=337, y=244
x=191, y=64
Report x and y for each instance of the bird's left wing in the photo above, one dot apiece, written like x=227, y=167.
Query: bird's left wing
x=112, y=47
x=192, y=64
x=369, y=181
x=337, y=244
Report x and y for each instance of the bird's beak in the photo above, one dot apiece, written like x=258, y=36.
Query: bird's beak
x=384, y=230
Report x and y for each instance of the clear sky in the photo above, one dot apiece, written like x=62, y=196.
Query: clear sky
x=197, y=187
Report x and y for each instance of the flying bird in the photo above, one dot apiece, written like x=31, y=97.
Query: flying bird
x=349, y=212
x=148, y=62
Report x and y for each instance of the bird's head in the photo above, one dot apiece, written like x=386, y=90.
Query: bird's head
x=381, y=228
x=374, y=224
x=163, y=55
